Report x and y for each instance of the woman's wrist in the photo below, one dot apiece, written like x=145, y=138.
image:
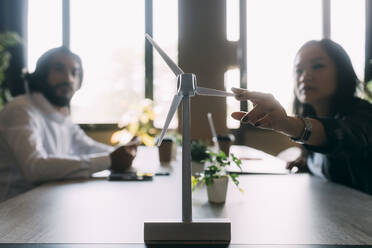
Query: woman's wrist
x=293, y=127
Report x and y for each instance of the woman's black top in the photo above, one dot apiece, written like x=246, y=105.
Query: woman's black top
x=347, y=157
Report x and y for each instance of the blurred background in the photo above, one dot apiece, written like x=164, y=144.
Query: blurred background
x=226, y=43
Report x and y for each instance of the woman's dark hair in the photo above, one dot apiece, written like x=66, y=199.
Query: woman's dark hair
x=347, y=80
x=38, y=78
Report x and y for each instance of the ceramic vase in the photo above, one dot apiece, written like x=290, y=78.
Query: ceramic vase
x=217, y=191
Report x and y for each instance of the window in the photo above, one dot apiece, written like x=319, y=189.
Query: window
x=232, y=80
x=45, y=24
x=275, y=30
x=232, y=20
x=232, y=75
x=111, y=45
x=109, y=37
x=348, y=29
x=165, y=82
x=273, y=38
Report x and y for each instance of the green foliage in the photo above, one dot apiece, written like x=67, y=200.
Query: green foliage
x=217, y=165
x=143, y=127
x=368, y=91
x=7, y=40
x=137, y=122
x=199, y=151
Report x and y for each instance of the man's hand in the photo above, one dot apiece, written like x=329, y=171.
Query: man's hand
x=122, y=157
x=267, y=112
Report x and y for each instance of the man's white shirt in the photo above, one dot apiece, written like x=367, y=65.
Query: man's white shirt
x=39, y=144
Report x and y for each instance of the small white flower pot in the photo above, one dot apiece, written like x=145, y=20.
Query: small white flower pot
x=196, y=167
x=217, y=191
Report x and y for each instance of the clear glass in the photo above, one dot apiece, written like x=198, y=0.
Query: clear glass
x=165, y=33
x=232, y=20
x=275, y=31
x=109, y=37
x=348, y=29
x=232, y=79
x=44, y=28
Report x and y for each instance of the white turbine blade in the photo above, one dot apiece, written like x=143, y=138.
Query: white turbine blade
x=213, y=130
x=212, y=92
x=174, y=67
x=173, y=108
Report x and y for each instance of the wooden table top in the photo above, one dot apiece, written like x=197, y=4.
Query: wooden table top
x=273, y=209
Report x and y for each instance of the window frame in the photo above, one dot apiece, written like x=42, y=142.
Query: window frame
x=326, y=33
x=241, y=46
x=242, y=43
x=149, y=62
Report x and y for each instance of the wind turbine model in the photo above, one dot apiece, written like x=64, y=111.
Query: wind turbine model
x=208, y=231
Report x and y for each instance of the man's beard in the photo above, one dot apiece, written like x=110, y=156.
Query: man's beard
x=50, y=93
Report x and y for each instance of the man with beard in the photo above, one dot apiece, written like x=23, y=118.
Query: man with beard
x=39, y=142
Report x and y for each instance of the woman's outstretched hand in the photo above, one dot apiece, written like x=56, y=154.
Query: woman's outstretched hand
x=299, y=163
x=267, y=112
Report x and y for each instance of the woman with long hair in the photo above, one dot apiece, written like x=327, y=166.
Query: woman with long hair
x=332, y=123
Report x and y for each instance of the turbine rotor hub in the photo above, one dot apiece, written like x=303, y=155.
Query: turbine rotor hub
x=187, y=84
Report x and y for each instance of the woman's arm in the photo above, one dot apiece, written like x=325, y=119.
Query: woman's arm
x=294, y=127
x=350, y=135
x=269, y=114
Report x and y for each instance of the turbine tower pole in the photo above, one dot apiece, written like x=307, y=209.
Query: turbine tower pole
x=186, y=161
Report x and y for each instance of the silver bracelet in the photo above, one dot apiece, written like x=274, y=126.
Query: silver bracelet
x=306, y=133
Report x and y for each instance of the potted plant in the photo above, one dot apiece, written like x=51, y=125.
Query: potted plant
x=7, y=40
x=199, y=153
x=215, y=176
x=137, y=122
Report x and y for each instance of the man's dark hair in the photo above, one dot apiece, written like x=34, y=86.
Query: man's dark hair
x=38, y=78
x=346, y=79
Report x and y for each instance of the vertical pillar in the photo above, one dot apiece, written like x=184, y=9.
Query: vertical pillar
x=205, y=51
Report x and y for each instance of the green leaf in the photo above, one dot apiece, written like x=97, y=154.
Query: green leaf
x=218, y=162
x=237, y=161
x=199, y=151
x=9, y=39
